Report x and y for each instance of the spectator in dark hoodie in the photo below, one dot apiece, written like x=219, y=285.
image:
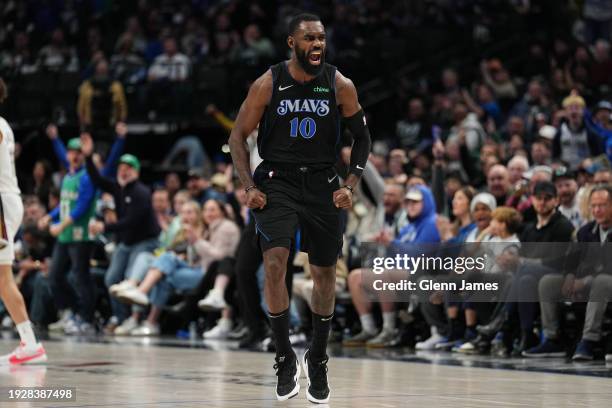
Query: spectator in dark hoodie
x=137, y=228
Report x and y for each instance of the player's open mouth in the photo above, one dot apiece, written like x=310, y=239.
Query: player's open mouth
x=315, y=58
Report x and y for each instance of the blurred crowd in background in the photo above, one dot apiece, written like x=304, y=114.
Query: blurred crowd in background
x=491, y=122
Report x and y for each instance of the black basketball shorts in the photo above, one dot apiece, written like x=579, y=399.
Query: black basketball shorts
x=299, y=197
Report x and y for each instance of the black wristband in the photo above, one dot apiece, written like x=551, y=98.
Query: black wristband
x=349, y=188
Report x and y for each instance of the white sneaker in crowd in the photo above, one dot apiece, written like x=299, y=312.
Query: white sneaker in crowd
x=133, y=296
x=213, y=301
x=146, y=329
x=431, y=342
x=66, y=315
x=125, y=328
x=220, y=331
x=120, y=287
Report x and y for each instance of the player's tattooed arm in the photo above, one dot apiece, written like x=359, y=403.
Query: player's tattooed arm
x=346, y=96
x=248, y=118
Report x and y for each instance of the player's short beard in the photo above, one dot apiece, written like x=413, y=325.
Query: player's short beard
x=302, y=58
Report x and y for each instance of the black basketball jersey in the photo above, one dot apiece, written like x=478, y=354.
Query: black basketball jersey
x=301, y=124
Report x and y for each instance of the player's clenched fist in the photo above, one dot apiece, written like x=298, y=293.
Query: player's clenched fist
x=343, y=198
x=256, y=199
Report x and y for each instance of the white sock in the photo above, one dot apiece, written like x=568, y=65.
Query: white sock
x=389, y=321
x=225, y=323
x=367, y=323
x=26, y=334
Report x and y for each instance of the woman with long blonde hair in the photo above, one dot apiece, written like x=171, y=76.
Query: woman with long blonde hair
x=177, y=270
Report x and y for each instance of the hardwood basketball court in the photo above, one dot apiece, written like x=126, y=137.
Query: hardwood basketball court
x=171, y=373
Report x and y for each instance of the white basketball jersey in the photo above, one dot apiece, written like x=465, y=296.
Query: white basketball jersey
x=8, y=177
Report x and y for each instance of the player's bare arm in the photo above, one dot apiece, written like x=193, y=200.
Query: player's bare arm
x=250, y=114
x=346, y=95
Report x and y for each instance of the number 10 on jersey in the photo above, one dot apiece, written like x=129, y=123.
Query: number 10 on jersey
x=307, y=127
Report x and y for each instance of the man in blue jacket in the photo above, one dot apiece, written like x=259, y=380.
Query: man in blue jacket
x=421, y=209
x=421, y=229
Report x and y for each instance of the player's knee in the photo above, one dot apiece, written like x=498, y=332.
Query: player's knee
x=324, y=277
x=275, y=269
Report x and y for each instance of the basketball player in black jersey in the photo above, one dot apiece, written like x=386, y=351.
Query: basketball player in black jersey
x=298, y=105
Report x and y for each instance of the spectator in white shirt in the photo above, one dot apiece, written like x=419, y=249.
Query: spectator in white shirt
x=567, y=187
x=171, y=65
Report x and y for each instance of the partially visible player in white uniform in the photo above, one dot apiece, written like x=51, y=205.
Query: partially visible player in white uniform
x=11, y=212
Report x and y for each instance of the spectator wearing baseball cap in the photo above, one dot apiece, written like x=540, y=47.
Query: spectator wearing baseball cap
x=522, y=197
x=603, y=114
x=137, y=228
x=600, y=123
x=586, y=275
x=200, y=187
x=421, y=210
x=73, y=241
x=550, y=226
x=131, y=161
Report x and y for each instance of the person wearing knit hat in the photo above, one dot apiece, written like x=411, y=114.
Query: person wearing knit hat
x=483, y=198
x=481, y=207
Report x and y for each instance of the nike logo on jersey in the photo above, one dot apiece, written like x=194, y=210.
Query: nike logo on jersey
x=332, y=179
x=282, y=88
x=359, y=167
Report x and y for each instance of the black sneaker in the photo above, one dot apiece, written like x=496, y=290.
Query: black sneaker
x=288, y=373
x=316, y=374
